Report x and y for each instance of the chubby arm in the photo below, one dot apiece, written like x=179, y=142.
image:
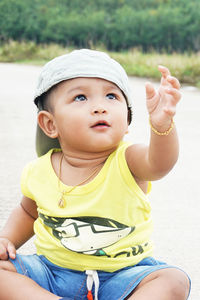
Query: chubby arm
x=156, y=160
x=18, y=228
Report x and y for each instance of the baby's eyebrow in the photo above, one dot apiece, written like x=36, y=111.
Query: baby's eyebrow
x=82, y=88
x=77, y=88
x=111, y=86
x=114, y=88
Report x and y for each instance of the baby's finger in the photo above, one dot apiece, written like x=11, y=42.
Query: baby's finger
x=164, y=71
x=174, y=82
x=176, y=94
x=11, y=250
x=3, y=253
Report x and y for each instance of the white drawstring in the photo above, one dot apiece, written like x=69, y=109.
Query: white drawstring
x=92, y=276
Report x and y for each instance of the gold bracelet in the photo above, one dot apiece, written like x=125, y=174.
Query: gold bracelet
x=162, y=133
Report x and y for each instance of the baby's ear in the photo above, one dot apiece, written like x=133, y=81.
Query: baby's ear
x=46, y=123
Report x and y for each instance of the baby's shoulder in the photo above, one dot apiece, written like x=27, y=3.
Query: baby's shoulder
x=39, y=162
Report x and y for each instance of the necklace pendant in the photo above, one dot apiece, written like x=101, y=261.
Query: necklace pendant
x=62, y=202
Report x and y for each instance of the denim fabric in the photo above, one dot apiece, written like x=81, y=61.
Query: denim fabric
x=70, y=283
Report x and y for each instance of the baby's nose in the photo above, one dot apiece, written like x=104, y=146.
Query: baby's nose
x=99, y=110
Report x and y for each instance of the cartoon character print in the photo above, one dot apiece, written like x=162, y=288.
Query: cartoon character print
x=88, y=235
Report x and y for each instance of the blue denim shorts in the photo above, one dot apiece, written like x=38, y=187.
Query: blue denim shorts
x=70, y=283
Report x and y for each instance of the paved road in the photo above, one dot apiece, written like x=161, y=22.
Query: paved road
x=175, y=199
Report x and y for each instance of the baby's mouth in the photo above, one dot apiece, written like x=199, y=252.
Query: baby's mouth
x=100, y=124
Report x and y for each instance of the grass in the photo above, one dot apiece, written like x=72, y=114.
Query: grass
x=29, y=52
x=185, y=66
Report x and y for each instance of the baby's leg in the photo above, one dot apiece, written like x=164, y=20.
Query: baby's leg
x=14, y=286
x=164, y=284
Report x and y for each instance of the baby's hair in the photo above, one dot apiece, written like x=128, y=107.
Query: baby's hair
x=43, y=102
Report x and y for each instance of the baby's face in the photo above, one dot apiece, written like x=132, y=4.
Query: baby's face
x=90, y=114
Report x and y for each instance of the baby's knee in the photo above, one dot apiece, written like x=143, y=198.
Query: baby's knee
x=177, y=283
x=6, y=265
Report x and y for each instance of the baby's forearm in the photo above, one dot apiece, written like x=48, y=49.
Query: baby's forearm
x=163, y=152
x=19, y=227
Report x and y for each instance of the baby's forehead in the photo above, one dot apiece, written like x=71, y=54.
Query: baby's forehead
x=85, y=82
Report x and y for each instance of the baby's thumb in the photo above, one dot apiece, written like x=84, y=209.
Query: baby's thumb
x=150, y=91
x=11, y=250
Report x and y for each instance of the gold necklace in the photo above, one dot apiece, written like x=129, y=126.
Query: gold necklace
x=62, y=201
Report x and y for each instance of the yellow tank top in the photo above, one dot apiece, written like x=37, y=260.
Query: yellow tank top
x=106, y=224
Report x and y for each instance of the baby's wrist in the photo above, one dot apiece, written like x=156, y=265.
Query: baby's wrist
x=162, y=130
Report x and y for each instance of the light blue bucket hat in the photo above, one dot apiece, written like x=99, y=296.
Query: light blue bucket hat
x=78, y=63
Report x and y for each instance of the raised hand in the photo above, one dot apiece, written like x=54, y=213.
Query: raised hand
x=161, y=103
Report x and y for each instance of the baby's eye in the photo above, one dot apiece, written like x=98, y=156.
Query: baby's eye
x=111, y=96
x=80, y=98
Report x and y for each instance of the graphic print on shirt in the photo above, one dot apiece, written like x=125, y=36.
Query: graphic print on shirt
x=88, y=235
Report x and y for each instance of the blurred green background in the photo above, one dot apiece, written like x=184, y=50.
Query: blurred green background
x=140, y=34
